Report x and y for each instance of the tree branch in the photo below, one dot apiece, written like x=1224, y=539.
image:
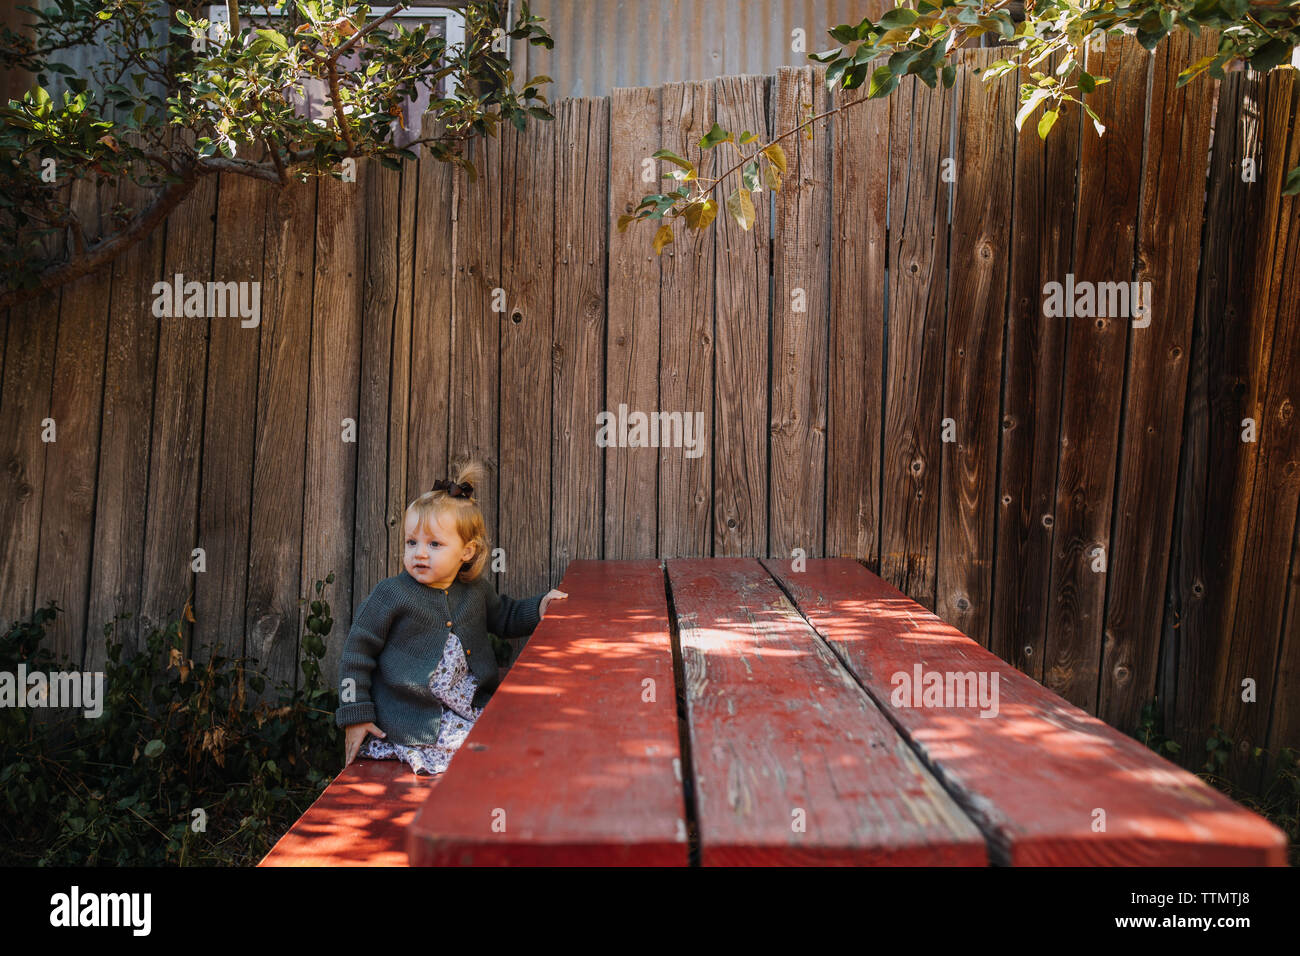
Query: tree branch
x=332, y=63
x=104, y=252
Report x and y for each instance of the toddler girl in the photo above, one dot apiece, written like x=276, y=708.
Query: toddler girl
x=418, y=664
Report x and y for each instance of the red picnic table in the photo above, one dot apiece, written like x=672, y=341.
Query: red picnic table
x=728, y=711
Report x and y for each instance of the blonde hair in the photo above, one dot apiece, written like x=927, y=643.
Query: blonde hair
x=464, y=512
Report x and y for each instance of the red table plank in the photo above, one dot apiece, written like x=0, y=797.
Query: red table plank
x=360, y=819
x=1033, y=775
x=569, y=764
x=779, y=727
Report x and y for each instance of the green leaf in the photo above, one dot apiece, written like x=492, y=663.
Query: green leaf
x=949, y=75
x=715, y=136
x=673, y=158
x=275, y=38
x=1271, y=54
x=898, y=62
x=898, y=17
x=1292, y=186
x=882, y=82
x=154, y=747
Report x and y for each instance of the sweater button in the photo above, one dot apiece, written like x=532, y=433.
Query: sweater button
x=449, y=623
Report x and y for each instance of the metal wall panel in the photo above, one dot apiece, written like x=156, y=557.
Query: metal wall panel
x=601, y=44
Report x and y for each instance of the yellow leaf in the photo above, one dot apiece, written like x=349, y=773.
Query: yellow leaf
x=624, y=220
x=1046, y=122
x=771, y=178
x=777, y=155
x=700, y=214
x=662, y=238
x=896, y=35
x=708, y=213
x=741, y=208
x=189, y=612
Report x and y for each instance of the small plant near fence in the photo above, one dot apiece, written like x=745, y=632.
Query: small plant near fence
x=1278, y=799
x=180, y=768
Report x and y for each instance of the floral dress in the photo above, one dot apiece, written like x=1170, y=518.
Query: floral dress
x=454, y=685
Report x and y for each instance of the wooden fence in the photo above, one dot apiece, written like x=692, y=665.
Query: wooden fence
x=1094, y=515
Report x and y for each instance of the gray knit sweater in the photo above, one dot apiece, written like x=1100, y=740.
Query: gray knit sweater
x=396, y=643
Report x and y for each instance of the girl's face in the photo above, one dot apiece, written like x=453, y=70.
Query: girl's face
x=434, y=555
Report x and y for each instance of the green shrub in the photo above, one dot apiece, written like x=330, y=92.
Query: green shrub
x=181, y=768
x=1279, y=798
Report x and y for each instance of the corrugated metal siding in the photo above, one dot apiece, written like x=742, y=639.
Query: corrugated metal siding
x=601, y=44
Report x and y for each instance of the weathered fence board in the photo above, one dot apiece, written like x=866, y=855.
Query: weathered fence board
x=275, y=559
x=424, y=376
x=686, y=336
x=1109, y=191
x=855, y=378
x=1042, y=243
x=226, y=483
x=171, y=533
x=1270, y=515
x=632, y=345
x=379, y=317
x=29, y=372
x=76, y=396
x=122, y=482
x=329, y=499
x=740, y=476
x=578, y=373
x=474, y=379
x=800, y=302
x=1213, y=485
x=920, y=139
x=980, y=247
x=527, y=249
x=1169, y=237
x=399, y=377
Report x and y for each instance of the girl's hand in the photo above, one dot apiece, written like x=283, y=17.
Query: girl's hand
x=550, y=596
x=353, y=736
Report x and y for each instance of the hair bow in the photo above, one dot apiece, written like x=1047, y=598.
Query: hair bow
x=454, y=490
